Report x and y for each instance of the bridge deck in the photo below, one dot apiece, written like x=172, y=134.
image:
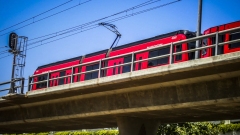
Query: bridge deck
x=202, y=89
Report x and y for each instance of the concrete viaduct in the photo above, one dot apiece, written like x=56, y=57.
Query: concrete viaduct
x=198, y=90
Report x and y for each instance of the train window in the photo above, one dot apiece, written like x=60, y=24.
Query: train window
x=191, y=55
x=221, y=38
x=43, y=84
x=203, y=44
x=127, y=59
x=153, y=53
x=163, y=51
x=91, y=75
x=61, y=80
x=88, y=68
x=234, y=36
x=158, y=52
x=178, y=49
x=127, y=68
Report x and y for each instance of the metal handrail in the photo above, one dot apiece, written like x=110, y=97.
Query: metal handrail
x=159, y=46
x=148, y=49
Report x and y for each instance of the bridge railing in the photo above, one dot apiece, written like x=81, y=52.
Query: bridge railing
x=70, y=78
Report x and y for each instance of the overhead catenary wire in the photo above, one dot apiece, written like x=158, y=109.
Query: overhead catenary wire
x=97, y=20
x=109, y=21
x=35, y=16
x=5, y=56
x=95, y=26
x=3, y=47
x=35, y=21
x=85, y=25
x=3, y=52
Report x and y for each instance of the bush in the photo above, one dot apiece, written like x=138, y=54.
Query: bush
x=228, y=128
x=197, y=128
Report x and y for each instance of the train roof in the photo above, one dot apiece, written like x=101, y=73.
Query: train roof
x=117, y=48
x=59, y=62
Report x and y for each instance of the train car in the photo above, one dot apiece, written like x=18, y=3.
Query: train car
x=227, y=48
x=61, y=68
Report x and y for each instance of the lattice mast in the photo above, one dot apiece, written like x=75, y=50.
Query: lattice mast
x=18, y=45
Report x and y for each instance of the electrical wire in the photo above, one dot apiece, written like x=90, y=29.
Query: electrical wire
x=95, y=26
x=46, y=17
x=82, y=26
x=5, y=56
x=3, y=47
x=97, y=20
x=35, y=16
x=110, y=21
x=3, y=52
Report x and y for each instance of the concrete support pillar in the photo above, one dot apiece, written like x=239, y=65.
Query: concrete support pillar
x=137, y=126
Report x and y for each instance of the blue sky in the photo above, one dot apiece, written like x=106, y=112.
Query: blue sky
x=180, y=15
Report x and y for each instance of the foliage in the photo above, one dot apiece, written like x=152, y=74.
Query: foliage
x=228, y=127
x=106, y=132
x=188, y=128
x=197, y=128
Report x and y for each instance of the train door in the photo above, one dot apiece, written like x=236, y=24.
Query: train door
x=209, y=41
x=61, y=81
x=68, y=79
x=143, y=64
x=232, y=36
x=76, y=78
x=54, y=82
x=221, y=38
x=180, y=57
x=116, y=69
x=39, y=79
x=127, y=68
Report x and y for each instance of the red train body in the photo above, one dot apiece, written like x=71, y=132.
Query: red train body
x=227, y=48
x=133, y=47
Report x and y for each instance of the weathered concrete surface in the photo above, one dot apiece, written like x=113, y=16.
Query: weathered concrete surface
x=137, y=126
x=198, y=90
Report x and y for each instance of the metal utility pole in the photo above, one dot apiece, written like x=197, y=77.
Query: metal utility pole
x=198, y=27
x=13, y=38
x=12, y=88
x=18, y=49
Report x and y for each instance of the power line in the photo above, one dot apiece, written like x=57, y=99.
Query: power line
x=96, y=25
x=85, y=25
x=3, y=47
x=5, y=56
x=97, y=20
x=35, y=16
x=46, y=17
x=92, y=26
x=2, y=52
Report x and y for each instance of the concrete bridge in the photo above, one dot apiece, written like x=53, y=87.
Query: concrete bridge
x=136, y=102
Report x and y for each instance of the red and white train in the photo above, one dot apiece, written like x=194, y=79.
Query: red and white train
x=133, y=47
